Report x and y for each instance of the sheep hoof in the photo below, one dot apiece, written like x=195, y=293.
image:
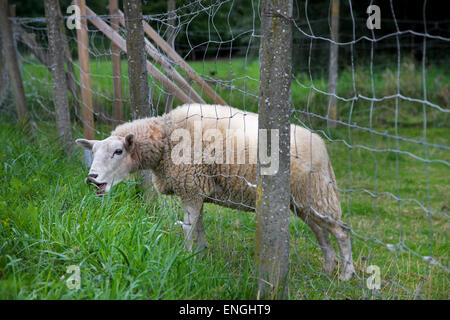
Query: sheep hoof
x=202, y=247
x=347, y=274
x=329, y=266
x=202, y=253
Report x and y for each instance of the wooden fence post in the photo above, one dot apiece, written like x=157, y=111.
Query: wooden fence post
x=333, y=67
x=56, y=61
x=12, y=65
x=117, y=69
x=273, y=186
x=85, y=78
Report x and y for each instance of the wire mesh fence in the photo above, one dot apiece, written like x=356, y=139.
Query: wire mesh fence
x=388, y=145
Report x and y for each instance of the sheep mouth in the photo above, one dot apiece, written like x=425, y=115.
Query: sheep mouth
x=99, y=187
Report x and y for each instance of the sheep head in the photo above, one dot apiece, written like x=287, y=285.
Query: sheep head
x=112, y=161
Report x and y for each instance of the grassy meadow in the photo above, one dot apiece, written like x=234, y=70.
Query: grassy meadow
x=129, y=248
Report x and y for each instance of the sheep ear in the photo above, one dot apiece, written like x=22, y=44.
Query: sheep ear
x=129, y=142
x=87, y=144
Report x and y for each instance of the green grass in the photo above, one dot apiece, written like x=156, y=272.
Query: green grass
x=125, y=247
x=238, y=80
x=129, y=249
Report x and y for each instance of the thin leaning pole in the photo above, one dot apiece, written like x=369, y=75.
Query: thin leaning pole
x=85, y=79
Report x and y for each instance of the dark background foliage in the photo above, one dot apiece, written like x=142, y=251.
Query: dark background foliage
x=201, y=30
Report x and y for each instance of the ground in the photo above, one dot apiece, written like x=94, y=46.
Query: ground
x=127, y=248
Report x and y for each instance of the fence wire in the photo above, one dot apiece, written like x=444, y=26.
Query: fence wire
x=388, y=145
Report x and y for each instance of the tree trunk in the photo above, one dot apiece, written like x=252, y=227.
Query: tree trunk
x=56, y=60
x=4, y=79
x=70, y=75
x=273, y=189
x=137, y=70
x=29, y=39
x=137, y=74
x=13, y=66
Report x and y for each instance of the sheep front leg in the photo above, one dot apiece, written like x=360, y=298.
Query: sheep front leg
x=200, y=231
x=193, y=224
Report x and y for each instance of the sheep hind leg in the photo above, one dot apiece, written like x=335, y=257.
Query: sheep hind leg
x=329, y=254
x=342, y=235
x=323, y=238
x=325, y=211
x=200, y=233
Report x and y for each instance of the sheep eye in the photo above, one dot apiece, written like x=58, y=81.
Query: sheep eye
x=118, y=152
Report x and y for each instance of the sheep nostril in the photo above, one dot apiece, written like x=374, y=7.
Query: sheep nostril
x=93, y=175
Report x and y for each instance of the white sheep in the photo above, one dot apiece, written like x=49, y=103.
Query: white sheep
x=168, y=146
